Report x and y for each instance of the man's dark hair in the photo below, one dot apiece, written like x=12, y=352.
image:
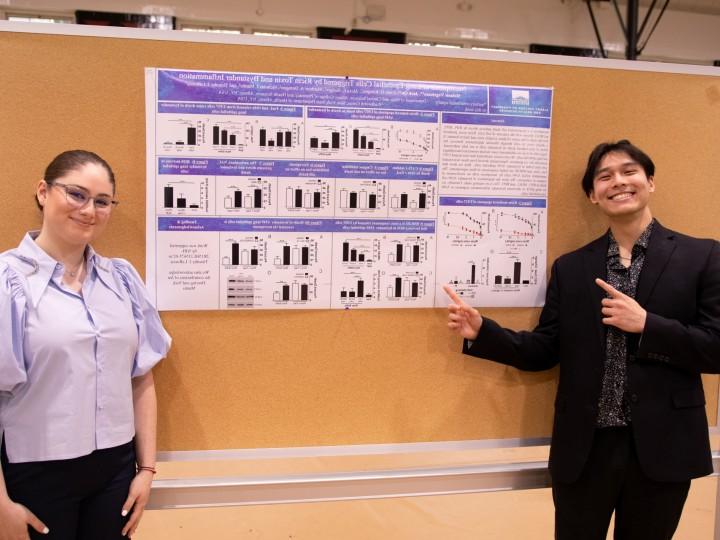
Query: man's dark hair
x=602, y=149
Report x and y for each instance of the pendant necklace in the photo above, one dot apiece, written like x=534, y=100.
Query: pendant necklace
x=73, y=273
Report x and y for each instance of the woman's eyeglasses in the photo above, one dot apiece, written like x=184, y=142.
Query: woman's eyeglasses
x=78, y=197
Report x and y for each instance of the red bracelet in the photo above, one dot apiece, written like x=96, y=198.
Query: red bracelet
x=146, y=468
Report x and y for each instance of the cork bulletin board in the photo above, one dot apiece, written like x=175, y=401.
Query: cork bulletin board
x=256, y=379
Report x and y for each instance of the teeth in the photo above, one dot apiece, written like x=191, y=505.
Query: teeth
x=621, y=196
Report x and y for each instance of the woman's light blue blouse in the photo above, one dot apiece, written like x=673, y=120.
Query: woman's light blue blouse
x=67, y=358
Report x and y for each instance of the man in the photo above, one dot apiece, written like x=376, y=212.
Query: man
x=633, y=319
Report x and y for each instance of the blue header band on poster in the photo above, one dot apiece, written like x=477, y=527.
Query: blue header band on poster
x=233, y=109
x=320, y=91
x=493, y=201
x=372, y=114
x=297, y=169
x=490, y=120
x=424, y=226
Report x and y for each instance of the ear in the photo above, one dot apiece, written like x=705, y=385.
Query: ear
x=592, y=197
x=651, y=182
x=42, y=192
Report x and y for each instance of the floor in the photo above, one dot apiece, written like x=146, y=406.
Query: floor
x=498, y=515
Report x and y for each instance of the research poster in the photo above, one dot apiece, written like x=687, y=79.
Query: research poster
x=270, y=191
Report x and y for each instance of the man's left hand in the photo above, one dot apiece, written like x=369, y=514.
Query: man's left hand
x=621, y=311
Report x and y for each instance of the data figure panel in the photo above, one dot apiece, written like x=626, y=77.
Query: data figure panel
x=497, y=252
x=372, y=135
x=229, y=130
x=296, y=290
x=184, y=195
x=361, y=198
x=299, y=251
x=407, y=287
x=411, y=198
x=305, y=196
x=407, y=251
x=356, y=259
x=357, y=289
x=180, y=135
x=246, y=196
x=242, y=250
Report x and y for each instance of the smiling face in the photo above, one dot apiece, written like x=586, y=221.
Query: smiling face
x=64, y=222
x=621, y=188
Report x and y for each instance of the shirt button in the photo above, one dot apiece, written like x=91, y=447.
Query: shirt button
x=634, y=398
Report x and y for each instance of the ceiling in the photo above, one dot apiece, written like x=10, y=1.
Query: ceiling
x=695, y=6
x=230, y=6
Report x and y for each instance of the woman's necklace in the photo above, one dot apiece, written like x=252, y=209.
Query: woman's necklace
x=73, y=273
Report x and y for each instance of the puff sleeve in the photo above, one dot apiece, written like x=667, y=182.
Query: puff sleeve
x=12, y=329
x=153, y=340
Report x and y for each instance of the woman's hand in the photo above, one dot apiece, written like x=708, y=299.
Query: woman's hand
x=137, y=499
x=15, y=519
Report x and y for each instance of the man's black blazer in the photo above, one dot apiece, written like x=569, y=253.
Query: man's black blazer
x=679, y=286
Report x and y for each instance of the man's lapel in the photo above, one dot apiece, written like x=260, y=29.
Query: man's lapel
x=595, y=262
x=660, y=248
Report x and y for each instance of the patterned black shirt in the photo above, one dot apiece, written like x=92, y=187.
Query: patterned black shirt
x=613, y=407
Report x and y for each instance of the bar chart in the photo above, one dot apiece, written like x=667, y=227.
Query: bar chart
x=359, y=251
x=405, y=286
x=411, y=250
x=475, y=273
x=472, y=277
x=229, y=135
x=412, y=198
x=327, y=139
x=366, y=138
x=249, y=251
x=361, y=197
x=297, y=289
x=373, y=139
x=356, y=288
x=513, y=271
x=277, y=137
x=309, y=196
x=299, y=252
x=351, y=139
x=246, y=195
x=181, y=135
x=226, y=135
x=184, y=195
x=360, y=290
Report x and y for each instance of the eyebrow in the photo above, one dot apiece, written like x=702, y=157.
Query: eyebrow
x=88, y=191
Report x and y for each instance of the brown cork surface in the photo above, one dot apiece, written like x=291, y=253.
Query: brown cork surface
x=240, y=379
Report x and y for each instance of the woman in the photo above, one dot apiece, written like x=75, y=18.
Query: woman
x=78, y=340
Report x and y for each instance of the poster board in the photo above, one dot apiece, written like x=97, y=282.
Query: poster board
x=320, y=377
